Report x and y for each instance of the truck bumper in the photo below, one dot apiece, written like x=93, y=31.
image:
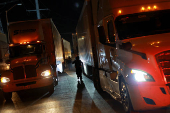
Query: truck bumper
x=147, y=97
x=27, y=84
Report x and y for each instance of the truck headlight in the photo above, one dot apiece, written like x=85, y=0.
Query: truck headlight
x=46, y=73
x=141, y=76
x=5, y=80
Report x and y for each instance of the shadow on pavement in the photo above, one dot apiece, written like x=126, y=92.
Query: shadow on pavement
x=83, y=102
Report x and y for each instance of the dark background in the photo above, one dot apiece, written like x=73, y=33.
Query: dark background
x=64, y=13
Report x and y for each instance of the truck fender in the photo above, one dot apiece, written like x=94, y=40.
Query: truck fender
x=6, y=73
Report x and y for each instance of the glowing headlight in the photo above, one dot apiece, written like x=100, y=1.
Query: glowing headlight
x=46, y=73
x=141, y=76
x=4, y=79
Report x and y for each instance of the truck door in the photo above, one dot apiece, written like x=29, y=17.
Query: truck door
x=110, y=50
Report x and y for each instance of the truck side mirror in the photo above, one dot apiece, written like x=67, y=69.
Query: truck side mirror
x=126, y=46
x=102, y=36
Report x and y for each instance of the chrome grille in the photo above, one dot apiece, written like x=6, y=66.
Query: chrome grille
x=163, y=60
x=30, y=71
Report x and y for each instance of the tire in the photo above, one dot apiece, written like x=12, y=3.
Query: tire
x=7, y=95
x=55, y=81
x=51, y=89
x=125, y=98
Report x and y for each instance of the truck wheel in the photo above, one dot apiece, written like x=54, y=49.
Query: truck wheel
x=51, y=89
x=7, y=95
x=55, y=81
x=125, y=99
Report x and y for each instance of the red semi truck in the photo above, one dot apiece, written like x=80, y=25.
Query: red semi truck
x=124, y=46
x=35, y=50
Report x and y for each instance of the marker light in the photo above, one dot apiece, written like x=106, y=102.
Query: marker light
x=46, y=73
x=28, y=42
x=11, y=44
x=5, y=80
x=25, y=42
x=149, y=7
x=20, y=43
x=120, y=11
x=154, y=7
x=141, y=76
x=38, y=41
x=143, y=8
x=8, y=67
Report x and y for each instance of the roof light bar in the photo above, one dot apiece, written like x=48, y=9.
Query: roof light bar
x=149, y=8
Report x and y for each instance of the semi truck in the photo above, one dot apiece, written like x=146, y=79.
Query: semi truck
x=75, y=44
x=124, y=46
x=66, y=52
x=3, y=50
x=35, y=56
x=66, y=49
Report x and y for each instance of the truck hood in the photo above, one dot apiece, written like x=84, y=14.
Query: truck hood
x=152, y=44
x=28, y=60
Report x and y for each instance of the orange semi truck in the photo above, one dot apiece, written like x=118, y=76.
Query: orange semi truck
x=35, y=50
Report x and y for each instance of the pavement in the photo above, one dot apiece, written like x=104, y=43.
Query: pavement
x=70, y=96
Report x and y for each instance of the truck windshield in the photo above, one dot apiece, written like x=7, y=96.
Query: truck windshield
x=24, y=50
x=143, y=24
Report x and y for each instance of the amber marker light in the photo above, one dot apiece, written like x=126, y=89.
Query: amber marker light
x=120, y=11
x=11, y=44
x=38, y=41
x=143, y=8
x=28, y=42
x=20, y=43
x=149, y=7
x=154, y=7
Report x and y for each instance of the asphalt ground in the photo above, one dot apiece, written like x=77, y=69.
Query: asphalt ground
x=70, y=96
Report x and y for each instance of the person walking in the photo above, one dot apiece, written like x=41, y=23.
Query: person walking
x=78, y=63
x=69, y=61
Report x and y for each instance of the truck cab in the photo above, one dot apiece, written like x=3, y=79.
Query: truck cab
x=33, y=54
x=134, y=53
x=124, y=46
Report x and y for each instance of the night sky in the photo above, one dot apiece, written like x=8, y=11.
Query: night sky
x=64, y=13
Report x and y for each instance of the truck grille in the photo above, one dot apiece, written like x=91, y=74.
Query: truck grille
x=163, y=60
x=18, y=73
x=30, y=70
